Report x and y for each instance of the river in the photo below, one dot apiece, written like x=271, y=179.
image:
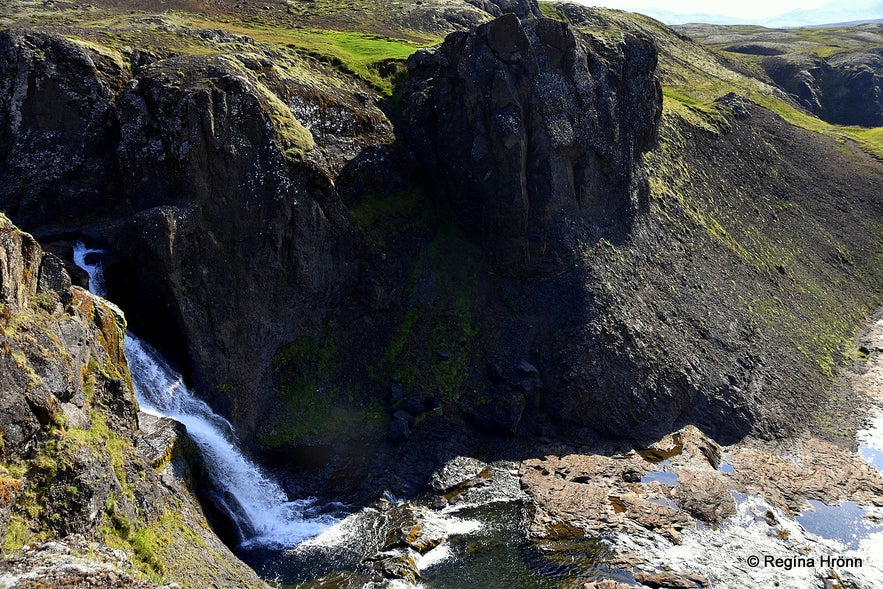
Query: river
x=484, y=540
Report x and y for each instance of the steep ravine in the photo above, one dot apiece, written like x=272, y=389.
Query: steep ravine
x=258, y=212
x=516, y=240
x=93, y=493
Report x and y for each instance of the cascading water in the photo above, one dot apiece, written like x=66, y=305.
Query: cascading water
x=258, y=506
x=491, y=547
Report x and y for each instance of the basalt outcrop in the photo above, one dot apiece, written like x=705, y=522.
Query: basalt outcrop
x=236, y=244
x=844, y=89
x=535, y=133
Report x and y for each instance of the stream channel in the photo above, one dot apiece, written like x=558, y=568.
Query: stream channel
x=298, y=542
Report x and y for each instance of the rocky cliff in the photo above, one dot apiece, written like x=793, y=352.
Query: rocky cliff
x=536, y=135
x=518, y=231
x=835, y=73
x=76, y=470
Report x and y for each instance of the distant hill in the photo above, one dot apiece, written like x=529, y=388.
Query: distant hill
x=839, y=12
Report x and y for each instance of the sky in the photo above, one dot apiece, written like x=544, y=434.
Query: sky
x=753, y=11
x=747, y=9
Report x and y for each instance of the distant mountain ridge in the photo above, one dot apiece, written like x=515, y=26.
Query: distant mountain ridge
x=840, y=12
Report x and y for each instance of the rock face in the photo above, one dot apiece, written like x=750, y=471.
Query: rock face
x=235, y=242
x=56, y=125
x=71, y=469
x=844, y=89
x=54, y=354
x=535, y=133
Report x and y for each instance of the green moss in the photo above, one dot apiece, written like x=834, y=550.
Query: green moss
x=144, y=543
x=377, y=209
x=308, y=403
x=451, y=346
x=402, y=335
x=115, y=56
x=92, y=368
x=433, y=349
x=549, y=10
x=352, y=53
x=121, y=525
x=16, y=534
x=296, y=139
x=103, y=442
x=387, y=217
x=156, y=546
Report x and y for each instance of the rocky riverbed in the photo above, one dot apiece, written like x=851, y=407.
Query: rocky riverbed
x=683, y=512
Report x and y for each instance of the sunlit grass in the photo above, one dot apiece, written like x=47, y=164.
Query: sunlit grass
x=352, y=52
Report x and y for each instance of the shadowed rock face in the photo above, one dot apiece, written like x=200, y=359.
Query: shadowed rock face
x=535, y=134
x=56, y=126
x=234, y=244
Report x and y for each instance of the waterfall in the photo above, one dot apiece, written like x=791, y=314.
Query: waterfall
x=256, y=503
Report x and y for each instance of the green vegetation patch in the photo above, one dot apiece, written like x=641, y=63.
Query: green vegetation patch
x=433, y=349
x=392, y=215
x=352, y=53
x=16, y=534
x=549, y=10
x=308, y=403
x=156, y=546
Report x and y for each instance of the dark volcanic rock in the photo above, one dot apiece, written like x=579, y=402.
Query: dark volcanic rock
x=535, y=132
x=238, y=239
x=56, y=129
x=521, y=8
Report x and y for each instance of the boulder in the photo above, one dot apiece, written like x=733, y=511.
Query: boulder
x=670, y=580
x=459, y=474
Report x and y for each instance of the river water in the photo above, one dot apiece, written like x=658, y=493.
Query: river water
x=300, y=543
x=257, y=505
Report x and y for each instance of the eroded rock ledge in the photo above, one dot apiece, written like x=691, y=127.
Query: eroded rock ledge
x=682, y=482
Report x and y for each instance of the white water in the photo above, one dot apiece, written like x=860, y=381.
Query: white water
x=722, y=554
x=256, y=503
